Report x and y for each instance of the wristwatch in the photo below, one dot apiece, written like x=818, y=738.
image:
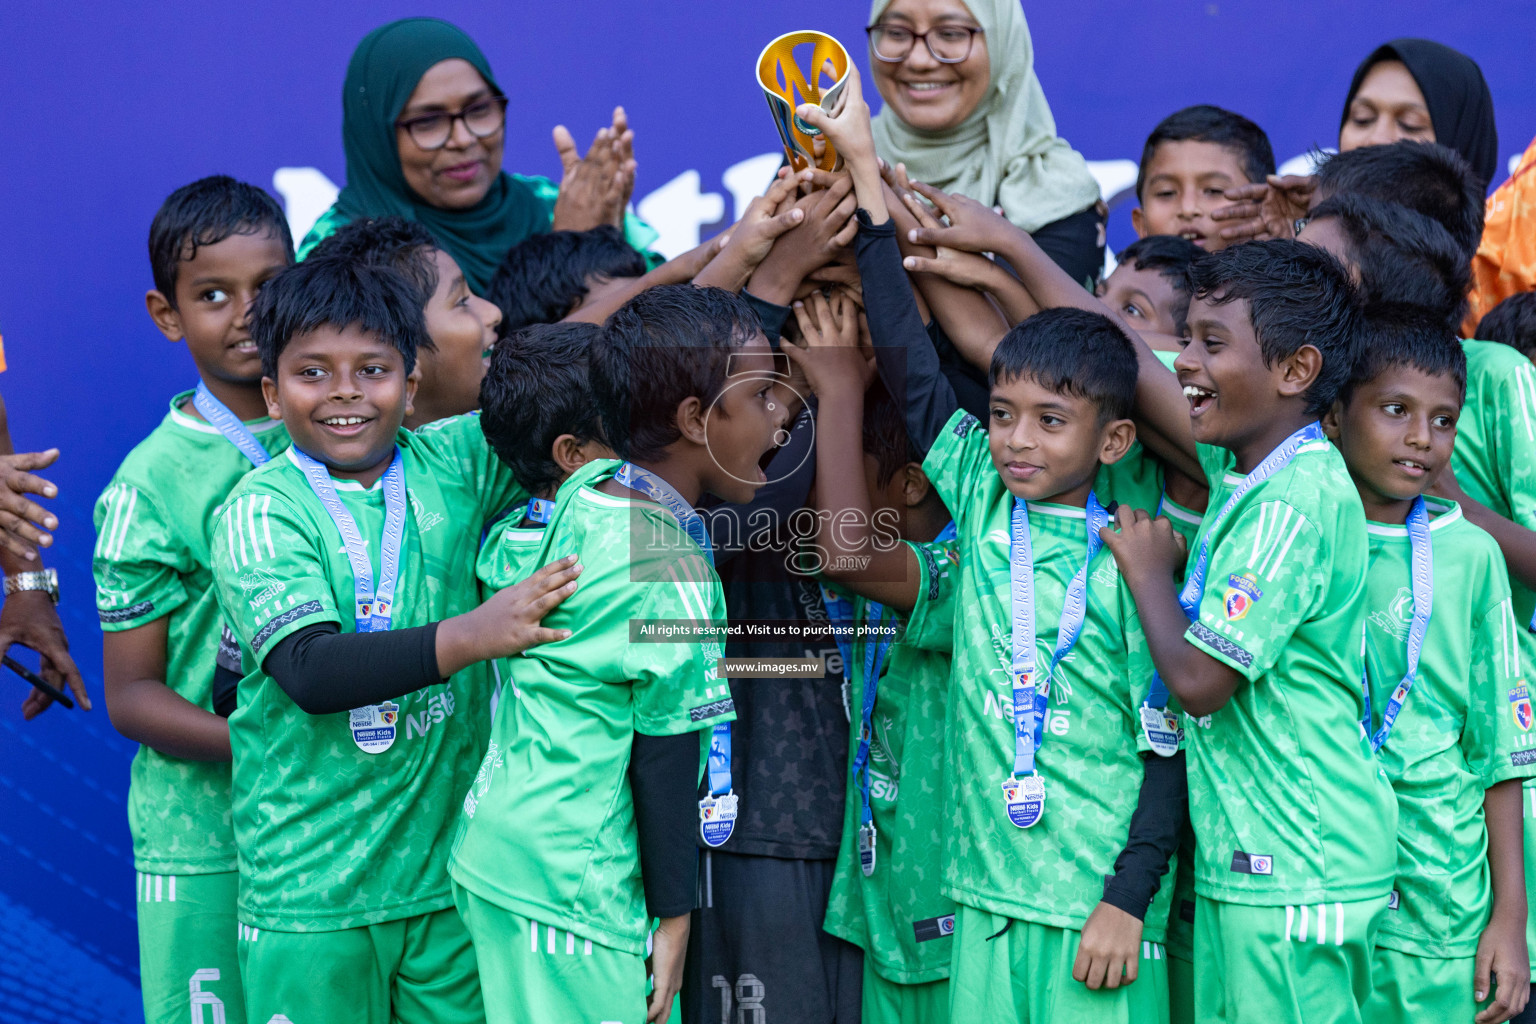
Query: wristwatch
x=46, y=580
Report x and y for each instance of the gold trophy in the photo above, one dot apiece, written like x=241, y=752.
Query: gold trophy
x=786, y=87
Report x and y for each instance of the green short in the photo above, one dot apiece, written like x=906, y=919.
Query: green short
x=1005, y=971
x=417, y=970
x=1271, y=965
x=534, y=972
x=888, y=1002
x=1181, y=989
x=1409, y=988
x=188, y=965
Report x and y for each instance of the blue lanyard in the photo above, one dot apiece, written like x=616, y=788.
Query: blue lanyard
x=840, y=616
x=1029, y=699
x=375, y=606
x=1194, y=582
x=875, y=650
x=1423, y=603
x=658, y=490
x=228, y=424
x=539, y=510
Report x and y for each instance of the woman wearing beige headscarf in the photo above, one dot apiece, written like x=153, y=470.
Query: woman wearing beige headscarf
x=965, y=113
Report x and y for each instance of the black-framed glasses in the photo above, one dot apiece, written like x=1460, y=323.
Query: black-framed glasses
x=484, y=118
x=949, y=44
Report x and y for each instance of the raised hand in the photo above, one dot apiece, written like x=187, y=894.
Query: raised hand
x=827, y=229
x=973, y=226
x=965, y=268
x=765, y=219
x=1267, y=209
x=595, y=189
x=833, y=352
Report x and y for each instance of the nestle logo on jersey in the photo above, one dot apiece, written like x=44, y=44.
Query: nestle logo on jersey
x=1252, y=863
x=711, y=710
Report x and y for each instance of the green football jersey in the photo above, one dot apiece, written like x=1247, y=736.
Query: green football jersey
x=1090, y=757
x=1465, y=725
x=1288, y=803
x=899, y=915
x=153, y=526
x=548, y=827
x=1495, y=463
x=344, y=820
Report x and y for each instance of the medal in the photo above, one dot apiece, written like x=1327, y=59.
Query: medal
x=1161, y=728
x=1423, y=601
x=867, y=849
x=1024, y=790
x=717, y=819
x=1024, y=799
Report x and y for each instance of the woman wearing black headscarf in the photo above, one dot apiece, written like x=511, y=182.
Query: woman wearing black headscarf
x=1425, y=91
x=1410, y=89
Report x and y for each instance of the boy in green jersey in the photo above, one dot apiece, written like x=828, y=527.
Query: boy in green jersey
x=578, y=829
x=353, y=741
x=1292, y=816
x=213, y=244
x=1449, y=708
x=887, y=895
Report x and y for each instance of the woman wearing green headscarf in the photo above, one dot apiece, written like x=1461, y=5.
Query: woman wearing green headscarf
x=423, y=126
x=965, y=113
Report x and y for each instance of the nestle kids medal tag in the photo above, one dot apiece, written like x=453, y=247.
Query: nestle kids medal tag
x=1024, y=799
x=717, y=819
x=867, y=848
x=786, y=86
x=1161, y=728
x=373, y=727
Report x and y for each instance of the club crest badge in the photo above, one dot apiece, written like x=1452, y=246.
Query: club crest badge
x=1242, y=593
x=1520, y=706
x=374, y=727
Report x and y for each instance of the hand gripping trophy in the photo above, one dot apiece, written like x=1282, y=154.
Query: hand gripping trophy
x=786, y=87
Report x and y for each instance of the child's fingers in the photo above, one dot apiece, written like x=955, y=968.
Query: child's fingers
x=849, y=232
x=808, y=329
x=1480, y=973
x=940, y=200
x=915, y=207
x=541, y=635
x=32, y=460
x=926, y=265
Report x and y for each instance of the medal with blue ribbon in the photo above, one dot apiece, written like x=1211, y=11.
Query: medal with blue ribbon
x=228, y=424
x=1024, y=789
x=876, y=646
x=373, y=727
x=1159, y=725
x=719, y=808
x=1423, y=606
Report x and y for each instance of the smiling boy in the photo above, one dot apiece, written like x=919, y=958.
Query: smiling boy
x=1293, y=819
x=1189, y=161
x=347, y=569
x=1448, y=714
x=1035, y=585
x=461, y=326
x=213, y=245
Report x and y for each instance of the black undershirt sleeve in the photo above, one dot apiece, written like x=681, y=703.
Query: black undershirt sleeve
x=1156, y=824
x=664, y=778
x=324, y=670
x=904, y=353
x=772, y=315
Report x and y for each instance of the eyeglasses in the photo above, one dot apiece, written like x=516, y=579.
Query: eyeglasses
x=949, y=44
x=484, y=118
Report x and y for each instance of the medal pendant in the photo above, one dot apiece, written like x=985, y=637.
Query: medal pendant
x=1024, y=799
x=867, y=849
x=1161, y=728
x=717, y=819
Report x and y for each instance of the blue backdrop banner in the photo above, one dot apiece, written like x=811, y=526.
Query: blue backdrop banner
x=109, y=106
